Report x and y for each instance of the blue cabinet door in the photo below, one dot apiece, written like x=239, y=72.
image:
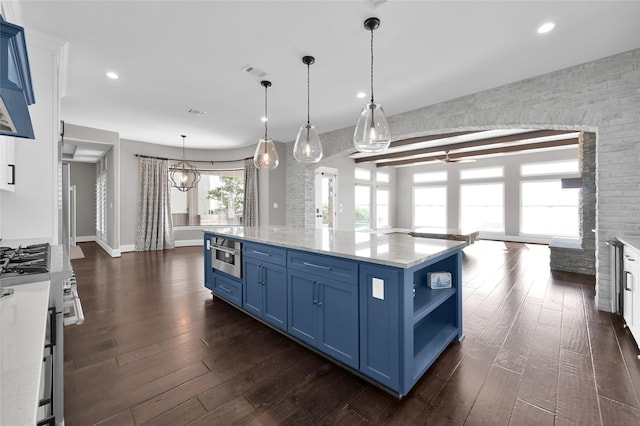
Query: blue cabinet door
x=208, y=272
x=253, y=287
x=380, y=340
x=338, y=332
x=303, y=308
x=274, y=305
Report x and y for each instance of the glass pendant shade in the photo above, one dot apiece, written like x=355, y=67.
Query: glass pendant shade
x=372, y=131
x=266, y=156
x=307, y=148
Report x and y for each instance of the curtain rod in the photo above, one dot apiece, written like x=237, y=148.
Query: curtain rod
x=192, y=161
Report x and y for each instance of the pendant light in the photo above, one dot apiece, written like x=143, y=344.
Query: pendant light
x=308, y=148
x=183, y=176
x=266, y=156
x=372, y=131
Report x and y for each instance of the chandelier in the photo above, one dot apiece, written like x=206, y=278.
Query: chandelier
x=183, y=175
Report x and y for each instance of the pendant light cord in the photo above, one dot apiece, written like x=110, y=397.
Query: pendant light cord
x=265, y=113
x=308, y=96
x=371, y=65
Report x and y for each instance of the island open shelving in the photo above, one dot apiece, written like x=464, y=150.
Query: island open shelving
x=361, y=300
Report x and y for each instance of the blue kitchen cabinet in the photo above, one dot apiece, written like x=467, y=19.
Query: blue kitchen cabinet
x=323, y=304
x=221, y=284
x=382, y=321
x=265, y=283
x=227, y=287
x=380, y=338
x=208, y=271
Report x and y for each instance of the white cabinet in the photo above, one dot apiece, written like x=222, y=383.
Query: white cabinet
x=7, y=163
x=631, y=290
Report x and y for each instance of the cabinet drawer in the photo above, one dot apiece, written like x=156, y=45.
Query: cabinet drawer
x=228, y=289
x=271, y=254
x=328, y=266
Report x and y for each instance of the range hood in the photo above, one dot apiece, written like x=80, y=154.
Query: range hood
x=16, y=90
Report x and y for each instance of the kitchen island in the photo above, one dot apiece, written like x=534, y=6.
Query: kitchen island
x=360, y=299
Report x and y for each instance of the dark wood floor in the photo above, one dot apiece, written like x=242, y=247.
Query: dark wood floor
x=157, y=348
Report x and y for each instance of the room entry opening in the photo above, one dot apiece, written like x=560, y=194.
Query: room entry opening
x=326, y=196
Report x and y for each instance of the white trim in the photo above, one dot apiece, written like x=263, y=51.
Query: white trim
x=127, y=248
x=515, y=238
x=189, y=243
x=110, y=251
x=86, y=238
x=181, y=243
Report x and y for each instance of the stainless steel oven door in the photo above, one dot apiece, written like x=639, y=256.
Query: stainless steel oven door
x=226, y=256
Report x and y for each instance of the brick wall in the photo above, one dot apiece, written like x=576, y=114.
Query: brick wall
x=582, y=260
x=602, y=97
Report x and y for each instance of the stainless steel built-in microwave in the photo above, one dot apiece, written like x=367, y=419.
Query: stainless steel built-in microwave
x=226, y=256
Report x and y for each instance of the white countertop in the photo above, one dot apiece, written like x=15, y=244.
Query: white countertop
x=22, y=332
x=630, y=240
x=393, y=249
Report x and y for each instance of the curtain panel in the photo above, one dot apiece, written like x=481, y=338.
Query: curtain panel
x=250, y=210
x=154, y=228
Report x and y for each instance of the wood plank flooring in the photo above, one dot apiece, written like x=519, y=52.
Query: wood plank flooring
x=157, y=349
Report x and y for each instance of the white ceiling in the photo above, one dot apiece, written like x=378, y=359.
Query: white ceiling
x=176, y=55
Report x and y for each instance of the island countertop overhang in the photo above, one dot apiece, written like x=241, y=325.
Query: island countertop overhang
x=394, y=249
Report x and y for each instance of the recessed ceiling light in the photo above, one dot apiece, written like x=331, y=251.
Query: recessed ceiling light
x=263, y=119
x=112, y=75
x=546, y=27
x=361, y=95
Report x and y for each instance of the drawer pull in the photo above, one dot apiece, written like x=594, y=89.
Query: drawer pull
x=228, y=290
x=261, y=253
x=313, y=265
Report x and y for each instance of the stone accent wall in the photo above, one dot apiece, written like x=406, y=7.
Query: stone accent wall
x=582, y=260
x=602, y=96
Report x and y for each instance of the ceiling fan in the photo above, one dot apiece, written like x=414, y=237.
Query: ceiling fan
x=447, y=159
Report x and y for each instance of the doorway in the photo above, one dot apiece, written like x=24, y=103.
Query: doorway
x=326, y=196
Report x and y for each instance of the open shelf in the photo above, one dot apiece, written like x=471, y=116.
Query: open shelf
x=430, y=339
x=426, y=300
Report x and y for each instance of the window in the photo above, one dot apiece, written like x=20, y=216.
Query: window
x=547, y=209
x=430, y=206
x=430, y=177
x=363, y=206
x=550, y=168
x=363, y=174
x=382, y=177
x=217, y=200
x=482, y=207
x=482, y=173
x=382, y=208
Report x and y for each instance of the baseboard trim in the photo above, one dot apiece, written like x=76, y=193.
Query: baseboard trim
x=189, y=243
x=86, y=238
x=110, y=251
x=181, y=243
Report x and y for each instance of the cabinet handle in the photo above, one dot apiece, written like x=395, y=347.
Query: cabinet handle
x=228, y=290
x=320, y=294
x=313, y=265
x=628, y=274
x=315, y=299
x=261, y=253
x=13, y=174
x=262, y=274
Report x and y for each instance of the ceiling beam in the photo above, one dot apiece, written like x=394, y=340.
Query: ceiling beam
x=462, y=145
x=489, y=151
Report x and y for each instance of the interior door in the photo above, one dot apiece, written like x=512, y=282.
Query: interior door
x=326, y=196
